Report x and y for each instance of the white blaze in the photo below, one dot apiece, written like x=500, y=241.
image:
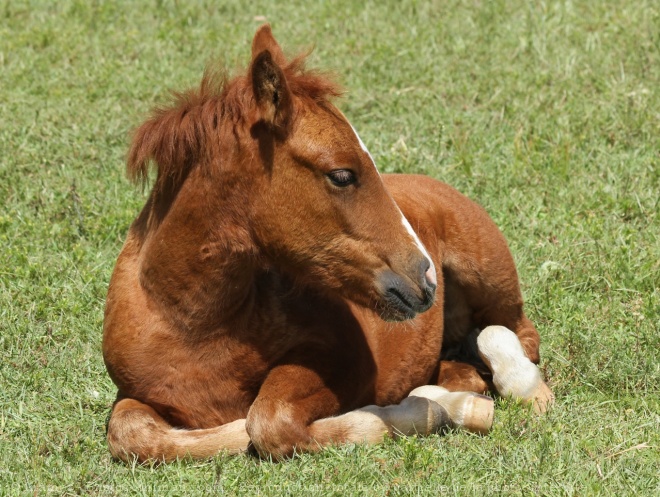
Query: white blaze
x=431, y=274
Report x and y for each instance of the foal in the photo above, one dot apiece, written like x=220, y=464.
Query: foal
x=273, y=292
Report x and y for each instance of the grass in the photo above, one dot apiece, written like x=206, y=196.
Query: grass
x=547, y=113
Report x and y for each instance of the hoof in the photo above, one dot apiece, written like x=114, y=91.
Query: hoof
x=479, y=415
x=467, y=410
x=418, y=415
x=542, y=398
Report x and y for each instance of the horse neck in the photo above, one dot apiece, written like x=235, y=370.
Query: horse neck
x=198, y=259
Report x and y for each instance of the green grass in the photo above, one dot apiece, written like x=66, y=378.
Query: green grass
x=547, y=113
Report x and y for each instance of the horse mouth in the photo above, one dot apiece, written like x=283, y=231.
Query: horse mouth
x=401, y=305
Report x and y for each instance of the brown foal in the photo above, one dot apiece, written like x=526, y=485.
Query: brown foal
x=277, y=292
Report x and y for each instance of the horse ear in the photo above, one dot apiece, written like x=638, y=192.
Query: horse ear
x=269, y=85
x=271, y=91
x=264, y=40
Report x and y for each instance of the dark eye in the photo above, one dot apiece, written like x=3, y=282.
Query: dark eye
x=342, y=177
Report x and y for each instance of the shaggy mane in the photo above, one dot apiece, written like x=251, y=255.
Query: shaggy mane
x=176, y=136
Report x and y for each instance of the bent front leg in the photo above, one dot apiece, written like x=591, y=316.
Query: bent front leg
x=137, y=432
x=299, y=409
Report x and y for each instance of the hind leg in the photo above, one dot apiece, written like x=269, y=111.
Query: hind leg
x=503, y=352
x=513, y=318
x=514, y=373
x=138, y=432
x=457, y=376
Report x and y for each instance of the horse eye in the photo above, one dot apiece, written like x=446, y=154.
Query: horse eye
x=342, y=177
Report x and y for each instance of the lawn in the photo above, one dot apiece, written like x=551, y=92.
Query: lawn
x=546, y=113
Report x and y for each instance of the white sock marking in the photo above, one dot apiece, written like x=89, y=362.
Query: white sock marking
x=514, y=374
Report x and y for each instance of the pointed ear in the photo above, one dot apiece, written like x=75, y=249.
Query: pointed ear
x=264, y=40
x=271, y=91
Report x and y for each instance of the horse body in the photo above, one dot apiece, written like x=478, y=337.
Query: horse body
x=272, y=286
x=202, y=370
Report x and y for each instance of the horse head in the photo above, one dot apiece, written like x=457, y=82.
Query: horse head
x=272, y=166
x=323, y=213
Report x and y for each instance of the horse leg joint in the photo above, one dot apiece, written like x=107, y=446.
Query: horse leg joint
x=274, y=429
x=137, y=432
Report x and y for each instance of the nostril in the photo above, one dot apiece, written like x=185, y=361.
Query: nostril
x=427, y=269
x=431, y=277
x=429, y=294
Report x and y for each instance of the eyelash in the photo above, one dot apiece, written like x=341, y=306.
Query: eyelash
x=342, y=177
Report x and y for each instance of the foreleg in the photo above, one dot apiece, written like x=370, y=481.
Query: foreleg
x=138, y=432
x=371, y=424
x=297, y=411
x=471, y=411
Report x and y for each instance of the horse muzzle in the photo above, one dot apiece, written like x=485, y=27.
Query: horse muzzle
x=401, y=298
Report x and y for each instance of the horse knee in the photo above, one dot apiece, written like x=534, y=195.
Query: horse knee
x=137, y=432
x=275, y=430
